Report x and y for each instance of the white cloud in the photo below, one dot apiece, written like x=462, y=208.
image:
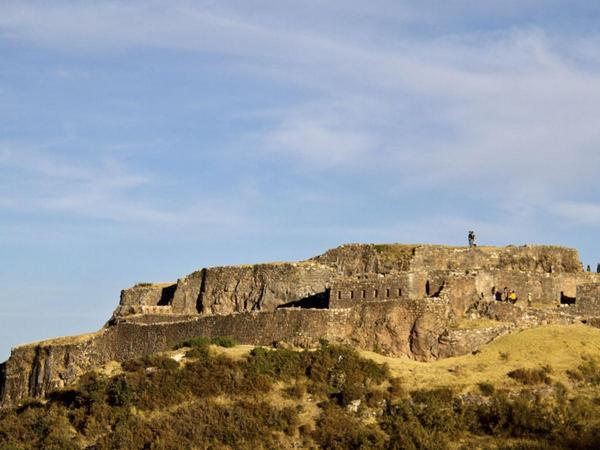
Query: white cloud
x=318, y=144
x=105, y=190
x=585, y=213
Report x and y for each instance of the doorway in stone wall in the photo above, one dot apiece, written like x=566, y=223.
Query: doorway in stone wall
x=566, y=300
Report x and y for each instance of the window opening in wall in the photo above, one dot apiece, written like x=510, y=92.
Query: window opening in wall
x=427, y=287
x=387, y=293
x=376, y=293
x=351, y=294
x=364, y=294
x=339, y=295
x=399, y=292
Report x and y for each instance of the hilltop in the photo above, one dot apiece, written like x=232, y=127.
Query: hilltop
x=422, y=302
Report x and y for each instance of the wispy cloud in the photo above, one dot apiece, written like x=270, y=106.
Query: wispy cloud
x=506, y=111
x=105, y=189
x=574, y=212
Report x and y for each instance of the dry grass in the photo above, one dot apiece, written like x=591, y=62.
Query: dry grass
x=559, y=346
x=467, y=324
x=64, y=340
x=238, y=352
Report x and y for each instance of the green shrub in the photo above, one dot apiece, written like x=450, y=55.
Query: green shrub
x=119, y=392
x=396, y=388
x=224, y=341
x=198, y=352
x=437, y=410
x=486, y=389
x=405, y=431
x=193, y=342
x=587, y=372
x=530, y=376
x=217, y=402
x=296, y=390
x=158, y=361
x=200, y=341
x=338, y=429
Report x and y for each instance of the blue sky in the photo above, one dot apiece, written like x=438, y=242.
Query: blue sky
x=140, y=140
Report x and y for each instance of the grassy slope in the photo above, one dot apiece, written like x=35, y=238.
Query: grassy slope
x=562, y=347
x=253, y=400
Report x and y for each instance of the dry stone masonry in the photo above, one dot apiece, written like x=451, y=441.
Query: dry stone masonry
x=411, y=300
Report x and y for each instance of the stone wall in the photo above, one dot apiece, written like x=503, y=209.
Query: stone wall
x=409, y=328
x=588, y=299
x=545, y=288
x=352, y=259
x=461, y=289
x=347, y=293
x=530, y=258
x=422, y=271
x=133, y=300
x=224, y=290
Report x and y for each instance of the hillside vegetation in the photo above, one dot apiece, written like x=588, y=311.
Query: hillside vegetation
x=535, y=389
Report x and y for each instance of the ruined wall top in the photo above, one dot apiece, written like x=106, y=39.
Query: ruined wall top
x=351, y=259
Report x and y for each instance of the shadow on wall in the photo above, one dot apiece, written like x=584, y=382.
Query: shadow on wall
x=166, y=295
x=566, y=300
x=316, y=301
x=431, y=291
x=2, y=381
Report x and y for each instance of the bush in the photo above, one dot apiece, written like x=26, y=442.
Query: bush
x=530, y=376
x=223, y=341
x=396, y=389
x=296, y=390
x=217, y=402
x=193, y=342
x=588, y=372
x=337, y=429
x=486, y=389
x=437, y=410
x=198, y=352
x=158, y=361
x=405, y=431
x=200, y=341
x=119, y=392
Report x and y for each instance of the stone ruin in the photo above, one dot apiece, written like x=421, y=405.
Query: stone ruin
x=413, y=300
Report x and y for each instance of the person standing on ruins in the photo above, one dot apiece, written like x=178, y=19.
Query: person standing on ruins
x=471, y=238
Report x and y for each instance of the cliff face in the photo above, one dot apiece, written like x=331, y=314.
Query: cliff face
x=401, y=299
x=225, y=290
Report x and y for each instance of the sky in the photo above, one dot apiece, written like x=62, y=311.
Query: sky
x=142, y=140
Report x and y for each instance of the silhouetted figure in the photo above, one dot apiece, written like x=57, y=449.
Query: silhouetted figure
x=471, y=237
x=589, y=269
x=598, y=268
